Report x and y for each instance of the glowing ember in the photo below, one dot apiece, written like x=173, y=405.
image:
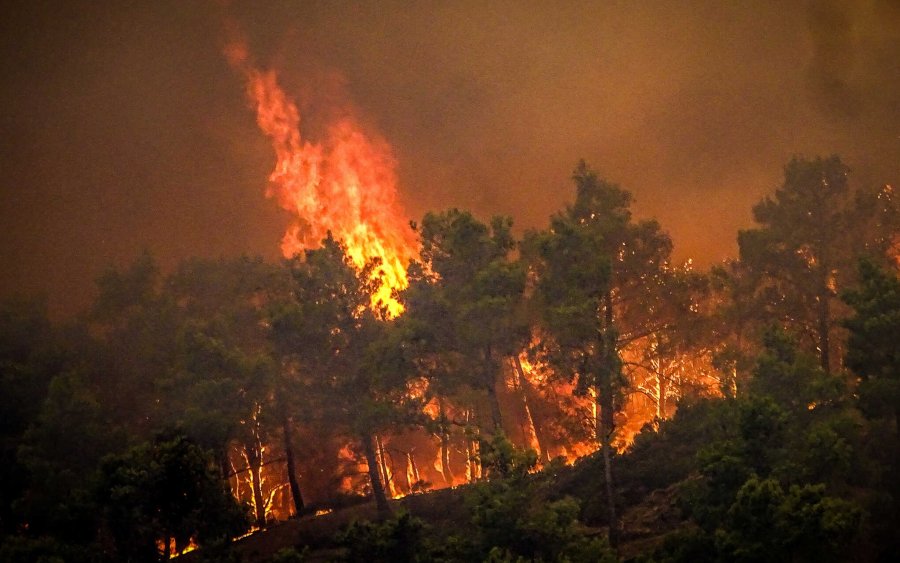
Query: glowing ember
x=346, y=184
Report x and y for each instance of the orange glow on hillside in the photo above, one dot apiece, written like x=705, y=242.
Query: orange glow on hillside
x=344, y=184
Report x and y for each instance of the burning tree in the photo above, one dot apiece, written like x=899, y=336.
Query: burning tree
x=341, y=352
x=222, y=386
x=672, y=354
x=804, y=250
x=465, y=305
x=596, y=272
x=574, y=293
x=344, y=184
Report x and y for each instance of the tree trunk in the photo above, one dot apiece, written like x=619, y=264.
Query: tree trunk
x=253, y=455
x=291, y=467
x=496, y=419
x=473, y=470
x=472, y=453
x=489, y=377
x=604, y=426
x=224, y=464
x=445, y=444
x=386, y=477
x=412, y=472
x=529, y=419
x=605, y=418
x=384, y=510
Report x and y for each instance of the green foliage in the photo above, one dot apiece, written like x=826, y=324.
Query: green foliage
x=873, y=354
x=513, y=523
x=828, y=454
x=761, y=425
x=574, y=275
x=464, y=313
x=347, y=364
x=501, y=458
x=517, y=518
x=809, y=236
x=873, y=350
x=722, y=472
x=125, y=293
x=31, y=355
x=397, y=539
x=166, y=490
x=62, y=469
x=765, y=523
x=766, y=489
x=790, y=378
x=664, y=454
x=685, y=546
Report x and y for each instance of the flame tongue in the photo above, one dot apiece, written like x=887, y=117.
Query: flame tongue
x=345, y=185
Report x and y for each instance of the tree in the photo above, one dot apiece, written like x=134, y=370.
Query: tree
x=873, y=350
x=765, y=523
x=134, y=324
x=515, y=516
x=674, y=358
x=803, y=252
x=30, y=356
x=464, y=302
x=62, y=468
x=157, y=497
x=590, y=266
x=343, y=355
x=873, y=353
x=736, y=325
x=224, y=385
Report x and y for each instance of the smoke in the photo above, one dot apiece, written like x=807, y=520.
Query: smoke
x=831, y=28
x=126, y=129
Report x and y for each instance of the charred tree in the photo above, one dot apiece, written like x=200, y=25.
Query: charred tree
x=444, y=435
x=381, y=501
x=296, y=496
x=490, y=381
x=253, y=456
x=532, y=431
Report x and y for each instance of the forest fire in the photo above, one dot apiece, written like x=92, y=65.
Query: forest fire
x=223, y=339
x=345, y=184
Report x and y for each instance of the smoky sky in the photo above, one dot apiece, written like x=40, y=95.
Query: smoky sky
x=124, y=129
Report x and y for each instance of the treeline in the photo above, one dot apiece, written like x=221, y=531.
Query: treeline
x=182, y=409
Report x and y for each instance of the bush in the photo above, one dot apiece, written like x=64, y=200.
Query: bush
x=398, y=539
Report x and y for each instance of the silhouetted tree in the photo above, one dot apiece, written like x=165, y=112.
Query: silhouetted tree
x=223, y=385
x=464, y=302
x=159, y=496
x=575, y=295
x=804, y=250
x=341, y=353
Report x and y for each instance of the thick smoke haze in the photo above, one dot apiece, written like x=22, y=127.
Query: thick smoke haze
x=124, y=128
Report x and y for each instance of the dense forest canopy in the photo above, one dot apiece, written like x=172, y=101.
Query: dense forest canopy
x=186, y=408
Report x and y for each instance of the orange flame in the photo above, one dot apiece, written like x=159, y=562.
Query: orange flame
x=345, y=185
